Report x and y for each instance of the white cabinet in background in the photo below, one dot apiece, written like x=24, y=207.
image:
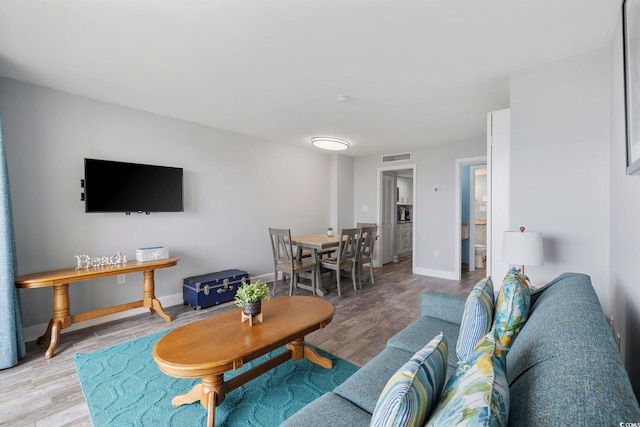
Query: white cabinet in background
x=405, y=190
x=404, y=238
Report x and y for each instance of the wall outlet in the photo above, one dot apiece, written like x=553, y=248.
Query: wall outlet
x=436, y=253
x=121, y=279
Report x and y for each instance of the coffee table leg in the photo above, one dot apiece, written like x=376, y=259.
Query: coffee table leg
x=192, y=396
x=299, y=350
x=210, y=394
x=211, y=409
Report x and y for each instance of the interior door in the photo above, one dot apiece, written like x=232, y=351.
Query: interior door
x=388, y=216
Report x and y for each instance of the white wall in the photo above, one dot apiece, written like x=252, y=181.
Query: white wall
x=560, y=120
x=341, y=192
x=434, y=213
x=235, y=188
x=624, y=226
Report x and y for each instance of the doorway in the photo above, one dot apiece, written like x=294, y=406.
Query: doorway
x=396, y=212
x=471, y=214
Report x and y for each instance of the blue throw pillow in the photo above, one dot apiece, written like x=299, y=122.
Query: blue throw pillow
x=512, y=308
x=477, y=318
x=412, y=392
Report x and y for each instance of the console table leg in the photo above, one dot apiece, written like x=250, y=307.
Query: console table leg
x=47, y=333
x=55, y=336
x=149, y=299
x=61, y=318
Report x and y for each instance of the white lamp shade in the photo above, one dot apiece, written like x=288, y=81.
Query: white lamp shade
x=522, y=248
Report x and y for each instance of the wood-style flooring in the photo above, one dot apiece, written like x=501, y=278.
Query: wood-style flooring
x=46, y=392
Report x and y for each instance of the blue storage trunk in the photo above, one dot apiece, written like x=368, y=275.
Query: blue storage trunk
x=212, y=289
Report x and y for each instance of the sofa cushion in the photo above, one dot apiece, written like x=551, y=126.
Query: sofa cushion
x=364, y=387
x=442, y=306
x=411, y=393
x=477, y=393
x=417, y=335
x=329, y=410
x=567, y=341
x=477, y=318
x=512, y=308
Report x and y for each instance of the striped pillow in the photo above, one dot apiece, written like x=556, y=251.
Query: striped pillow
x=477, y=394
x=512, y=308
x=477, y=318
x=414, y=389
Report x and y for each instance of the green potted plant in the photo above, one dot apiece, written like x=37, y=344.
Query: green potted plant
x=250, y=297
x=330, y=231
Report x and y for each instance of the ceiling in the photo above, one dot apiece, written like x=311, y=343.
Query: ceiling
x=416, y=72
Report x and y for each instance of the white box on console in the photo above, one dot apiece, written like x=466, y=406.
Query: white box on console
x=153, y=253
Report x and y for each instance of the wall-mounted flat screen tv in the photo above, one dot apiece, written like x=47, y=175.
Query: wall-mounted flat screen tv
x=111, y=186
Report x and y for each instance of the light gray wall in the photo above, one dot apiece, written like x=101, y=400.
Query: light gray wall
x=433, y=213
x=560, y=164
x=342, y=192
x=624, y=227
x=235, y=188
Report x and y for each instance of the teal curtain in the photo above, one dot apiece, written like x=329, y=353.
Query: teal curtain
x=11, y=340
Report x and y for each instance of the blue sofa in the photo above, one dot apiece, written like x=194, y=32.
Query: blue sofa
x=563, y=368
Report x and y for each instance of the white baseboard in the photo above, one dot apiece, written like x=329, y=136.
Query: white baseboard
x=31, y=333
x=440, y=274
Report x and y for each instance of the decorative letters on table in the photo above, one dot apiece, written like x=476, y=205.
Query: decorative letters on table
x=85, y=261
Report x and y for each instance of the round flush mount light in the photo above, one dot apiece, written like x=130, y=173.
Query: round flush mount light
x=329, y=143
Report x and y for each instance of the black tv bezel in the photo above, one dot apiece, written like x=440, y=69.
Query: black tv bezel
x=87, y=186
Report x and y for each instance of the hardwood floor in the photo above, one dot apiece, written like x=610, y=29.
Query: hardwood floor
x=46, y=392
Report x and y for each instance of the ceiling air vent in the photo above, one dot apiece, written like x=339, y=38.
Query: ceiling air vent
x=396, y=157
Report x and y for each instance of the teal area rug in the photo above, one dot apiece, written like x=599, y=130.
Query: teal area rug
x=124, y=387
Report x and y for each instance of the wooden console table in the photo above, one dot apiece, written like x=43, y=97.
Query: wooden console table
x=60, y=280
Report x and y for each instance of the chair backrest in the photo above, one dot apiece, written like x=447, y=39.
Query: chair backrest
x=281, y=245
x=366, y=224
x=349, y=247
x=368, y=238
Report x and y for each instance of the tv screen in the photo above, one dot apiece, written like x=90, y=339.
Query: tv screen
x=130, y=187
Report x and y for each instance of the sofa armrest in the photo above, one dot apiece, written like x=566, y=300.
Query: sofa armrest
x=443, y=306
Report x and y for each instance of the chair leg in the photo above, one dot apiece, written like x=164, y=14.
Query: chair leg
x=338, y=281
x=275, y=282
x=353, y=276
x=359, y=272
x=314, y=284
x=371, y=272
x=294, y=279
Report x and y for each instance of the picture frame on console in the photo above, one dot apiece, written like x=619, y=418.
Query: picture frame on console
x=631, y=55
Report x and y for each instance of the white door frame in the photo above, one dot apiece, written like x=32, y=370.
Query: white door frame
x=381, y=170
x=458, y=211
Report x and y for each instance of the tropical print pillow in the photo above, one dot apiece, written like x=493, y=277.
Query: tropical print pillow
x=477, y=318
x=512, y=308
x=477, y=394
x=412, y=392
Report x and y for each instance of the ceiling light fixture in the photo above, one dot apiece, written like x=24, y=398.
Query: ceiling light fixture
x=329, y=143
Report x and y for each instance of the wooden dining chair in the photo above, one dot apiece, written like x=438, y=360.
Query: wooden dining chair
x=368, y=237
x=366, y=224
x=346, y=256
x=285, y=261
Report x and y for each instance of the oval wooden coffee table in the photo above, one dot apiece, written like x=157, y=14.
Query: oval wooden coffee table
x=210, y=347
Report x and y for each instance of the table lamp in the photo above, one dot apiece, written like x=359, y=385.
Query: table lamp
x=523, y=248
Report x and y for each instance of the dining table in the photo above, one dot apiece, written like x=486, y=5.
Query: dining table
x=315, y=243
